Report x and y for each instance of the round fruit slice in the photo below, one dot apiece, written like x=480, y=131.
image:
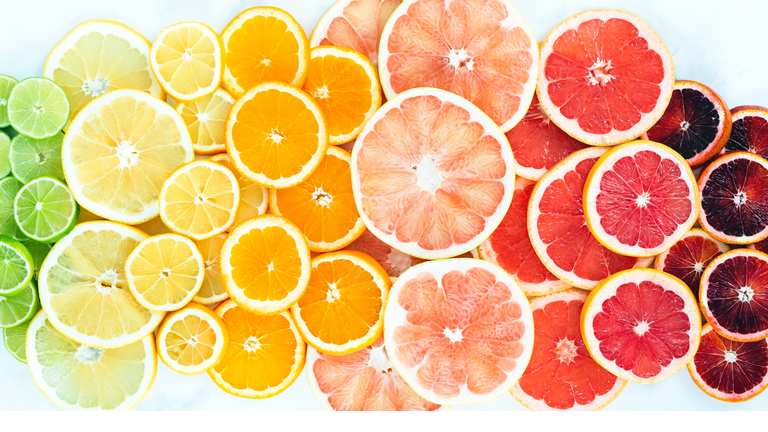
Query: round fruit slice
x=432, y=175
x=264, y=356
x=15, y=341
x=21, y=307
x=206, y=120
x=254, y=198
x=558, y=229
x=7, y=84
x=118, y=152
x=748, y=132
x=263, y=44
x=276, y=135
x=9, y=187
x=727, y=370
x=39, y=252
x=688, y=258
x=458, y=331
x=77, y=377
x=640, y=198
x=38, y=108
x=509, y=247
x=696, y=124
x=562, y=375
x=5, y=159
x=391, y=260
x=192, y=340
x=265, y=264
x=45, y=210
x=734, y=198
x=83, y=289
x=642, y=325
x=16, y=266
x=32, y=158
x=212, y=291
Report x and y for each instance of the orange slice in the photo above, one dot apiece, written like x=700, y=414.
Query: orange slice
x=212, y=291
x=206, y=120
x=254, y=197
x=192, y=340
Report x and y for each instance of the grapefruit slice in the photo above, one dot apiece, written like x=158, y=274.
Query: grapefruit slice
x=480, y=50
x=605, y=77
x=749, y=132
x=432, y=175
x=458, y=331
x=558, y=229
x=641, y=324
x=562, y=375
x=640, y=198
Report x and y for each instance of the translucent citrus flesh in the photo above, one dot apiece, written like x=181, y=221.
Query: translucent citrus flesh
x=748, y=134
x=206, y=120
x=9, y=187
x=253, y=196
x=212, y=290
x=38, y=108
x=6, y=86
x=31, y=159
x=15, y=340
x=179, y=342
x=5, y=147
x=164, y=272
x=737, y=295
x=688, y=258
x=46, y=209
x=392, y=260
x=186, y=59
x=19, y=308
x=15, y=269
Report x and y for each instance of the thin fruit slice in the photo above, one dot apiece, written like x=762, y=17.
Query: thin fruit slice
x=762, y=246
x=263, y=44
x=206, y=120
x=83, y=289
x=254, y=198
x=265, y=264
x=38, y=108
x=7, y=84
x=727, y=370
x=45, y=210
x=118, y=152
x=16, y=266
x=640, y=198
x=21, y=307
x=558, y=229
x=562, y=375
x=322, y=206
x=32, y=158
x=458, y=331
x=642, y=325
x=688, y=258
x=15, y=341
x=5, y=157
x=264, y=356
x=192, y=340
x=734, y=198
x=77, y=377
x=391, y=260
x=432, y=175
x=212, y=291
x=39, y=252
x=9, y=187
x=696, y=124
x=748, y=132
x=276, y=135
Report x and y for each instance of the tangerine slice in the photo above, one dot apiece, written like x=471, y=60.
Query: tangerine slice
x=748, y=132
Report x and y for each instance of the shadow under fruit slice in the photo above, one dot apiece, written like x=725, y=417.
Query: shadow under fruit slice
x=749, y=132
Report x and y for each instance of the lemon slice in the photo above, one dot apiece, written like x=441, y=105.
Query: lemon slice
x=212, y=291
x=206, y=120
x=192, y=340
x=253, y=196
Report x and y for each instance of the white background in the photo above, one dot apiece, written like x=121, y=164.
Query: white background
x=719, y=43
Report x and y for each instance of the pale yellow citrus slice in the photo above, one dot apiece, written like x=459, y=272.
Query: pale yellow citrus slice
x=212, y=290
x=206, y=120
x=253, y=196
x=192, y=340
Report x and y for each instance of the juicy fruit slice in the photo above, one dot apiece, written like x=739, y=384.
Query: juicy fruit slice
x=9, y=187
x=83, y=289
x=509, y=247
x=118, y=152
x=458, y=331
x=206, y=120
x=322, y=206
x=21, y=307
x=727, y=370
x=212, y=291
x=391, y=260
x=38, y=108
x=38, y=251
x=254, y=198
x=7, y=84
x=562, y=375
x=642, y=325
x=45, y=210
x=5, y=149
x=276, y=135
x=32, y=158
x=734, y=198
x=688, y=258
x=15, y=341
x=640, y=198
x=748, y=132
x=16, y=266
x=605, y=77
x=696, y=124
x=432, y=175
x=192, y=340
x=264, y=356
x=74, y=376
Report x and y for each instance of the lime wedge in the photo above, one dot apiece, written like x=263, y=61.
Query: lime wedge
x=15, y=340
x=38, y=251
x=32, y=158
x=45, y=209
x=17, y=309
x=16, y=266
x=6, y=85
x=5, y=148
x=38, y=108
x=9, y=187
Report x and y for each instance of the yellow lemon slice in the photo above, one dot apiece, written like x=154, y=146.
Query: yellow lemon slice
x=206, y=120
x=192, y=340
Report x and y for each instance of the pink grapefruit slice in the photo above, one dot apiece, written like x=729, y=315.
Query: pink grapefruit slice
x=749, y=132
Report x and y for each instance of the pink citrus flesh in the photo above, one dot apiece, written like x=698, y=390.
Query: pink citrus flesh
x=688, y=258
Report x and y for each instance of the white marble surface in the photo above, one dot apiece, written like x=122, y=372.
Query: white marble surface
x=721, y=44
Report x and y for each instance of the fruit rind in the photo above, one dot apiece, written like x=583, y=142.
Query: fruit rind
x=202, y=312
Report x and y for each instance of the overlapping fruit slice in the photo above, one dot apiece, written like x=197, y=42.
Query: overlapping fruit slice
x=212, y=291
x=749, y=132
x=192, y=340
x=392, y=260
x=688, y=258
x=254, y=198
x=206, y=120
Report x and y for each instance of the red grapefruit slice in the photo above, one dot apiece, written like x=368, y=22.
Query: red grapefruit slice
x=749, y=132
x=432, y=175
x=562, y=375
x=481, y=50
x=688, y=258
x=458, y=331
x=641, y=324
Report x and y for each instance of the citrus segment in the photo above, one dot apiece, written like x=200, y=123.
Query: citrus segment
x=45, y=210
x=192, y=340
x=254, y=198
x=38, y=108
x=688, y=258
x=206, y=120
x=15, y=341
x=9, y=187
x=212, y=291
x=32, y=158
x=5, y=149
x=16, y=266
x=7, y=84
x=19, y=308
x=748, y=132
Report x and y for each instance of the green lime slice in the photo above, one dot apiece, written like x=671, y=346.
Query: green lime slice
x=31, y=158
x=16, y=266
x=5, y=161
x=15, y=340
x=45, y=209
x=17, y=309
x=38, y=108
x=38, y=251
x=9, y=187
x=6, y=85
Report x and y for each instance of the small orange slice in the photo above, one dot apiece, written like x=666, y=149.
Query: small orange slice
x=254, y=197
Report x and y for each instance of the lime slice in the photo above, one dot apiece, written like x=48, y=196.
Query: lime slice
x=38, y=251
x=45, y=209
x=9, y=187
x=5, y=148
x=38, y=108
x=6, y=85
x=16, y=266
x=32, y=158
x=17, y=309
x=15, y=340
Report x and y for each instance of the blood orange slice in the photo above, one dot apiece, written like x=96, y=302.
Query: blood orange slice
x=641, y=324
x=432, y=175
x=558, y=230
x=762, y=246
x=688, y=258
x=458, y=331
x=749, y=132
x=481, y=50
x=562, y=375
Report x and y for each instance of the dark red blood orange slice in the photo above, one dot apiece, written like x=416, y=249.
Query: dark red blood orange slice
x=749, y=132
x=762, y=246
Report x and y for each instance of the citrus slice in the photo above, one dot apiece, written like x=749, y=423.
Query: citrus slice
x=558, y=229
x=21, y=307
x=45, y=210
x=187, y=60
x=15, y=341
x=276, y=135
x=322, y=206
x=9, y=187
x=38, y=108
x=5, y=158
x=482, y=51
x=264, y=356
x=16, y=266
x=696, y=123
x=734, y=198
x=640, y=198
x=265, y=264
x=562, y=375
x=212, y=291
x=254, y=198
x=727, y=370
x=118, y=152
x=762, y=246
x=458, y=331
x=192, y=340
x=83, y=289
x=32, y=158
x=39, y=252
x=432, y=175
x=391, y=260
x=642, y=325
x=263, y=44
x=99, y=56
x=7, y=84
x=76, y=377
x=748, y=132
x=206, y=120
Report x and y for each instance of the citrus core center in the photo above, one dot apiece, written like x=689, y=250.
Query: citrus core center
x=740, y=199
x=266, y=62
x=251, y=344
x=566, y=350
x=453, y=335
x=88, y=355
x=3, y=102
x=428, y=175
x=333, y=293
x=698, y=267
x=643, y=199
x=95, y=87
x=641, y=328
x=459, y=58
x=127, y=154
x=684, y=125
x=599, y=72
x=276, y=136
x=730, y=356
x=322, y=197
x=745, y=294
x=38, y=109
x=321, y=93
x=378, y=360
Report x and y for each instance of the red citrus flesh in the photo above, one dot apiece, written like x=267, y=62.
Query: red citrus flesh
x=762, y=246
x=392, y=260
x=750, y=130
x=688, y=258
